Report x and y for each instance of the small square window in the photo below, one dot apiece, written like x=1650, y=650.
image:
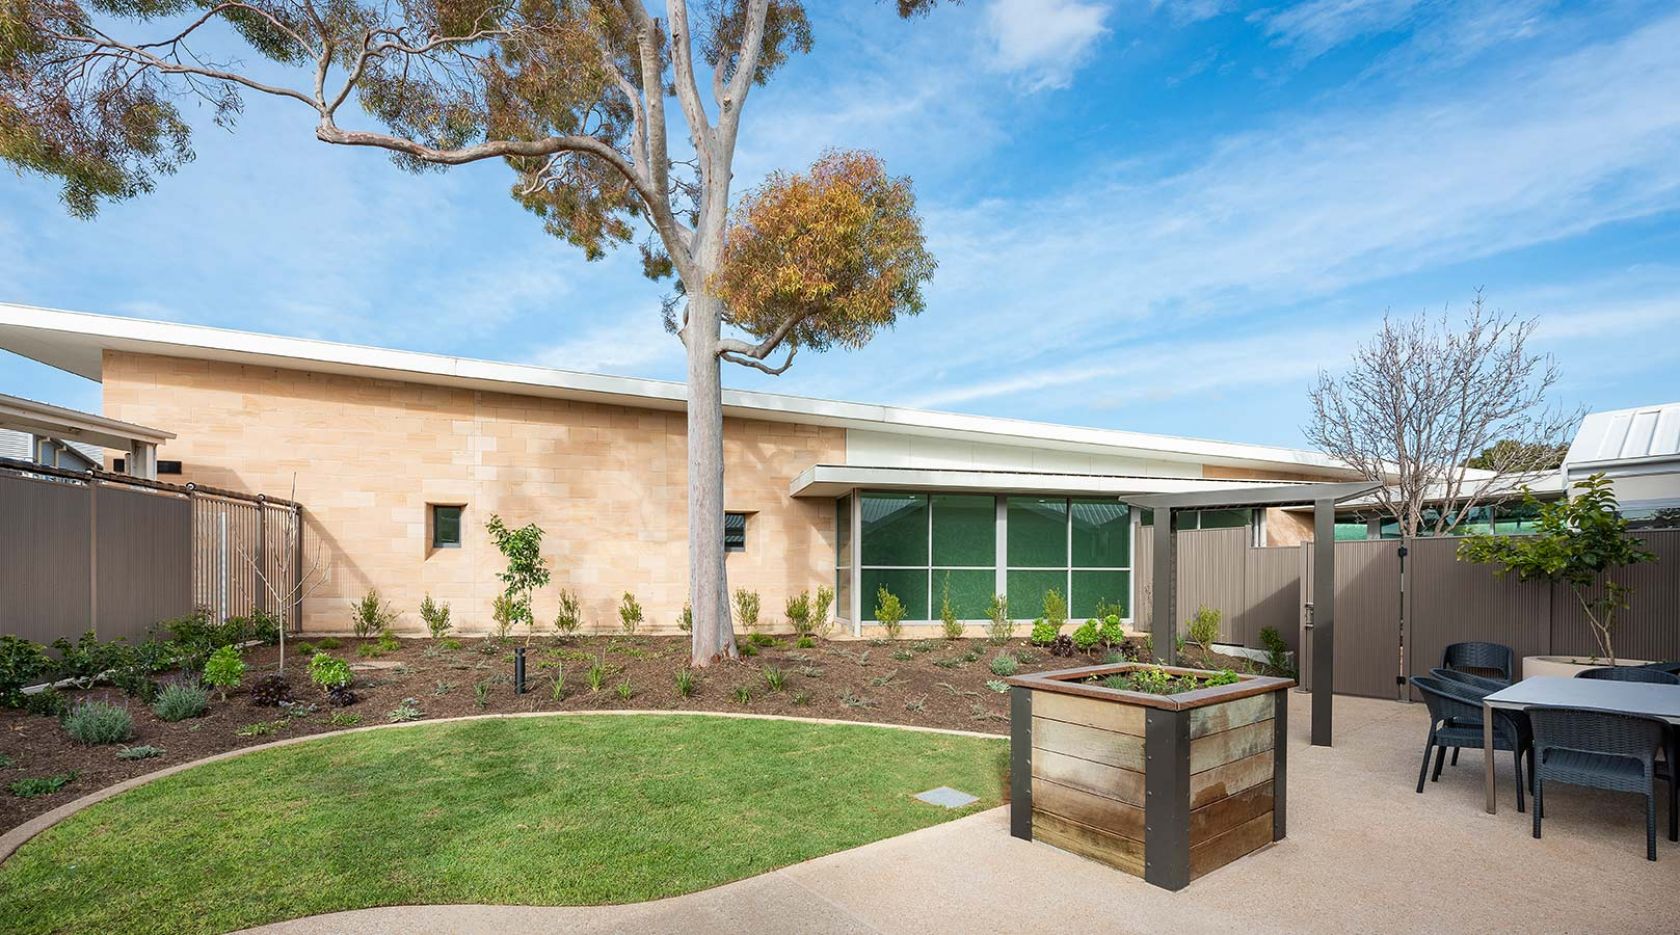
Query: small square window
x=734, y=532
x=446, y=526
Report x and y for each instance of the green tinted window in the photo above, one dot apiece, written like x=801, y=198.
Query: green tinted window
x=1102, y=534
x=446, y=527
x=1222, y=519
x=895, y=529
x=1037, y=532
x=843, y=532
x=1351, y=531
x=964, y=530
x=1093, y=588
x=909, y=584
x=970, y=590
x=1026, y=591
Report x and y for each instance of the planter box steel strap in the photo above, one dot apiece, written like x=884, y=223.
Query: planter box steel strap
x=1164, y=787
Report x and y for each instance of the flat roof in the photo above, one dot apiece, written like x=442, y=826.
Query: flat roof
x=834, y=480
x=1642, y=435
x=76, y=342
x=72, y=425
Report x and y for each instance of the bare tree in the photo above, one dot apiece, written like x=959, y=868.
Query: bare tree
x=1426, y=397
x=577, y=97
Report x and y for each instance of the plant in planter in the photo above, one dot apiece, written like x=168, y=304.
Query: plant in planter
x=1043, y=632
x=1581, y=541
x=1112, y=633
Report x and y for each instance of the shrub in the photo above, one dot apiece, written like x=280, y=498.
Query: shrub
x=1113, y=634
x=48, y=702
x=820, y=605
x=260, y=729
x=369, y=650
x=271, y=691
x=1062, y=645
x=801, y=698
x=1086, y=636
x=774, y=679
x=481, y=694
x=742, y=695
x=685, y=620
x=526, y=569
x=179, y=701
x=370, y=615
x=329, y=671
x=746, y=609
x=22, y=663
x=1000, y=628
x=805, y=642
x=86, y=659
x=329, y=643
x=1005, y=665
x=450, y=644
x=629, y=612
x=948, y=621
x=685, y=682
x=140, y=752
x=34, y=786
x=1055, y=608
x=889, y=612
x=799, y=613
x=344, y=719
x=224, y=670
x=436, y=617
x=998, y=685
x=503, y=611
x=406, y=710
x=558, y=690
x=597, y=674
x=570, y=615
x=624, y=690
x=1204, y=626
x=1277, y=651
x=342, y=695
x=388, y=641
x=1043, y=632
x=98, y=722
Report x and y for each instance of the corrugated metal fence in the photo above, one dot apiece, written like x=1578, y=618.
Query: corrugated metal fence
x=115, y=554
x=1437, y=598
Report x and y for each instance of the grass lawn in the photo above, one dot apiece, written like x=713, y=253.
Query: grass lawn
x=537, y=811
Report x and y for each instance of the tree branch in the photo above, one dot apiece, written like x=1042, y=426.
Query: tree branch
x=759, y=364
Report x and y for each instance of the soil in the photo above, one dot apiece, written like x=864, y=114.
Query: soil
x=928, y=683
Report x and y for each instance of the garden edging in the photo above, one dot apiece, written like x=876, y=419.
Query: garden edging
x=14, y=839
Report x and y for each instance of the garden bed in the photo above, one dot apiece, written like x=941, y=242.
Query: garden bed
x=927, y=683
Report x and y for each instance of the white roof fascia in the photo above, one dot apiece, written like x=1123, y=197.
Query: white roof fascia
x=833, y=480
x=75, y=342
x=71, y=426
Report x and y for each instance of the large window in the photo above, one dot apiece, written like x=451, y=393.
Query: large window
x=929, y=548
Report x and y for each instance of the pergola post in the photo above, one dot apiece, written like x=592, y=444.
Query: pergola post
x=1323, y=660
x=1163, y=606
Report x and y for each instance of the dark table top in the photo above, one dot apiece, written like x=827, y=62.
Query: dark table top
x=1601, y=694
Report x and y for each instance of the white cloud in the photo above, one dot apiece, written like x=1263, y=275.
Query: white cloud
x=1317, y=26
x=1044, y=41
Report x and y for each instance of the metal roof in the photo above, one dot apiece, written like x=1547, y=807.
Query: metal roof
x=1643, y=434
x=71, y=425
x=1270, y=495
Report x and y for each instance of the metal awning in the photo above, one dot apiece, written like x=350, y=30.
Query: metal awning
x=837, y=480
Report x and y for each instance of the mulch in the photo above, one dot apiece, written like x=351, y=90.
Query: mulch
x=926, y=683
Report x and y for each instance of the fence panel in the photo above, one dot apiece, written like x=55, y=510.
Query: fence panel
x=1368, y=618
x=1271, y=594
x=144, y=573
x=46, y=568
x=1210, y=574
x=1448, y=601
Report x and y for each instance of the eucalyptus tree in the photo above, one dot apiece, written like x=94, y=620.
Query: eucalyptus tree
x=580, y=98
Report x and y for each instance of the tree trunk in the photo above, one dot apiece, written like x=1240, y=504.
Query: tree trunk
x=708, y=586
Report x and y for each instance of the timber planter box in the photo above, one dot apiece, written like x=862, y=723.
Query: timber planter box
x=1167, y=787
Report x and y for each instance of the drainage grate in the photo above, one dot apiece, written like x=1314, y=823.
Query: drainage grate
x=947, y=796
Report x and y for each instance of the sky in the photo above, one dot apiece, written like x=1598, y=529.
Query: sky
x=1153, y=215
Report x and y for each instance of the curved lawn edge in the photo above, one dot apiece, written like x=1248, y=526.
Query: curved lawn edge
x=14, y=839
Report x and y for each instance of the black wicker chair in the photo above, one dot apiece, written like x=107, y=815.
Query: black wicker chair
x=1601, y=750
x=1485, y=659
x=1629, y=674
x=1481, y=683
x=1455, y=720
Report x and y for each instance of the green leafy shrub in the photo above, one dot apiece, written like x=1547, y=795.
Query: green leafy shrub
x=260, y=729
x=629, y=613
x=48, y=702
x=685, y=682
x=178, y=701
x=370, y=615
x=436, y=617
x=406, y=710
x=98, y=722
x=596, y=676
x=948, y=622
x=451, y=644
x=224, y=670
x=370, y=650
x=271, y=691
x=1044, y=632
x=1277, y=651
x=526, y=570
x=624, y=690
x=329, y=643
x=1005, y=665
x=821, y=619
x=328, y=671
x=388, y=641
x=799, y=613
x=998, y=686
x=805, y=642
x=742, y=695
x=746, y=609
x=344, y=719
x=1055, y=609
x=1086, y=636
x=999, y=628
x=557, y=691
x=685, y=620
x=140, y=752
x=889, y=612
x=569, y=618
x=746, y=649
x=36, y=786
x=1204, y=626
x=774, y=679
x=1113, y=633
x=87, y=658
x=481, y=694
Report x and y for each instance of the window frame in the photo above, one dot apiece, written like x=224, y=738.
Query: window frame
x=432, y=511
x=745, y=516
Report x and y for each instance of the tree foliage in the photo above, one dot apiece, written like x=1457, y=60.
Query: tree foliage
x=1425, y=397
x=1581, y=541
x=526, y=569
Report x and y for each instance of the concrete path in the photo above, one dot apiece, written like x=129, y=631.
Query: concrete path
x=1364, y=854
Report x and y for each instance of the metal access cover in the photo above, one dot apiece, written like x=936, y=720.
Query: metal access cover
x=948, y=797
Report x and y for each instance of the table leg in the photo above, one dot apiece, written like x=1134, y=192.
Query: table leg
x=1487, y=758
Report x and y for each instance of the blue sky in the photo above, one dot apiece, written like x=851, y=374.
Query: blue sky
x=1158, y=216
